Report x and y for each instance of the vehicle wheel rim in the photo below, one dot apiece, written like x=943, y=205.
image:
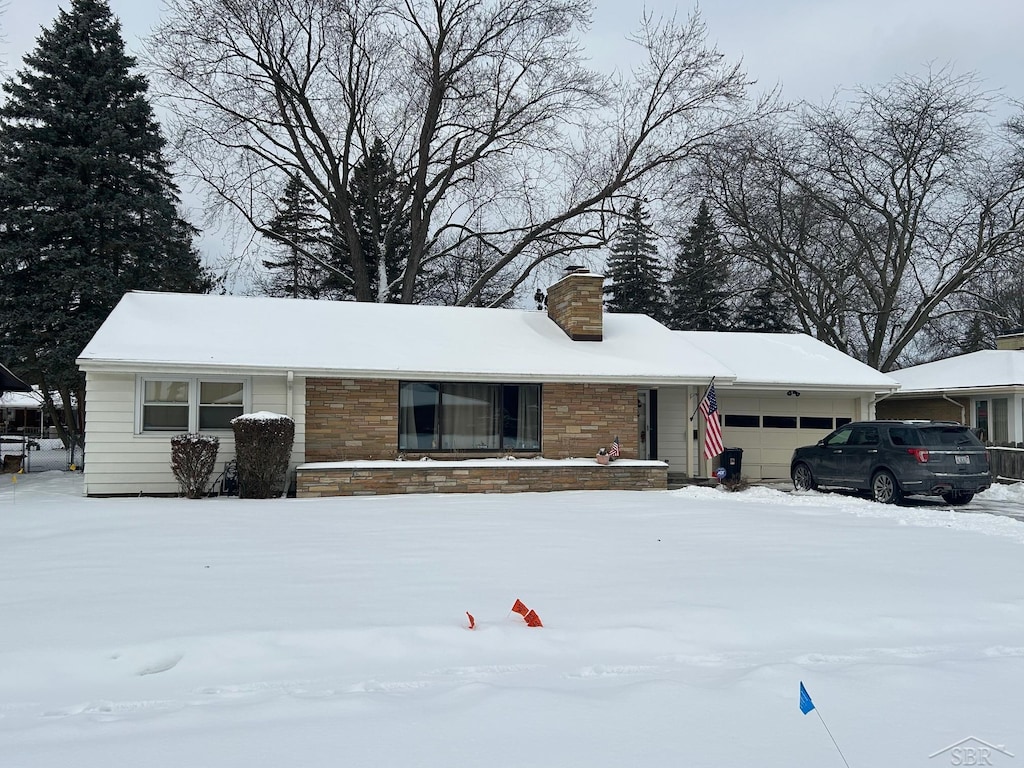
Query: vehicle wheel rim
x=803, y=480
x=883, y=489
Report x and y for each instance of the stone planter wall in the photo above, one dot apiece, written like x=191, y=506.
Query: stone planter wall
x=361, y=479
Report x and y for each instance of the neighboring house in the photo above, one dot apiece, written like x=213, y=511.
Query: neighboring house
x=11, y=390
x=374, y=387
x=23, y=413
x=984, y=390
x=790, y=390
x=16, y=402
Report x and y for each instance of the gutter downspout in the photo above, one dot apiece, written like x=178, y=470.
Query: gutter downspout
x=291, y=395
x=875, y=400
x=963, y=411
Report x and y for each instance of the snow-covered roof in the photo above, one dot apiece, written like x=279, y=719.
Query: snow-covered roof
x=787, y=360
x=32, y=400
x=991, y=368
x=158, y=331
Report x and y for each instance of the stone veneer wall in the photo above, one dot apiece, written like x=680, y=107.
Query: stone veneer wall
x=922, y=408
x=363, y=481
x=348, y=419
x=577, y=419
x=351, y=419
x=576, y=304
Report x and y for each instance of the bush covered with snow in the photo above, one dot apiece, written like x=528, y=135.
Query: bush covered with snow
x=192, y=460
x=263, y=446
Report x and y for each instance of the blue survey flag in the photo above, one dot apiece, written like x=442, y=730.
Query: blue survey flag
x=806, y=705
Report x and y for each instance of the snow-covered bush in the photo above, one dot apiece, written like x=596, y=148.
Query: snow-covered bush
x=192, y=459
x=263, y=447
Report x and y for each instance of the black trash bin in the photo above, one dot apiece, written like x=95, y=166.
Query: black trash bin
x=731, y=459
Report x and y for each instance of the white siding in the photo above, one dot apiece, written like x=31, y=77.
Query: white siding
x=119, y=461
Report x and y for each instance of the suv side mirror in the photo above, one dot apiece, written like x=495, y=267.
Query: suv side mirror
x=821, y=443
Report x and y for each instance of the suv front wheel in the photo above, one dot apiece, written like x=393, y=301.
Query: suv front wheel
x=803, y=479
x=885, y=489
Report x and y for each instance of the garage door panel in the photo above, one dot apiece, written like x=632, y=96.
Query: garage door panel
x=767, y=450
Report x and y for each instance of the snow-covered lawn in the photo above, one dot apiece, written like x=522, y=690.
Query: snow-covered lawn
x=332, y=632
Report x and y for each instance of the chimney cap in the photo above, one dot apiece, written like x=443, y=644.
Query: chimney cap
x=572, y=269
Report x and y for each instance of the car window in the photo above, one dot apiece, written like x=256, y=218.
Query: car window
x=864, y=436
x=842, y=437
x=904, y=436
x=948, y=437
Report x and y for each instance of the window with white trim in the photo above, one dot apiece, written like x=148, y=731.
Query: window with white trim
x=190, y=404
x=165, y=406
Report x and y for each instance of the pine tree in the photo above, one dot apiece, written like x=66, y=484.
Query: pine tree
x=381, y=225
x=766, y=309
x=296, y=229
x=698, y=296
x=87, y=205
x=634, y=269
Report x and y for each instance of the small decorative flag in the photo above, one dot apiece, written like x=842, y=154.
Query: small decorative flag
x=472, y=621
x=806, y=705
x=713, y=444
x=532, y=619
x=615, y=449
x=520, y=608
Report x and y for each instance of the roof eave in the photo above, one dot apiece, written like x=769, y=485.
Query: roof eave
x=95, y=365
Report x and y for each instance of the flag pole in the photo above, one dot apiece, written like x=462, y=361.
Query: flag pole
x=708, y=389
x=831, y=737
x=806, y=705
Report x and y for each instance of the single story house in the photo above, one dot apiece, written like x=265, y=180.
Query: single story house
x=389, y=398
x=982, y=389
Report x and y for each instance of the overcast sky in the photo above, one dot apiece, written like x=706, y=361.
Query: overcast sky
x=810, y=47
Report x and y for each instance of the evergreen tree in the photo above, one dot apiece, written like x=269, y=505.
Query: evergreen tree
x=766, y=309
x=296, y=228
x=381, y=224
x=87, y=205
x=634, y=269
x=698, y=293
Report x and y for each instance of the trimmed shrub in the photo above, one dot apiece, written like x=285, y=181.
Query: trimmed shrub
x=263, y=448
x=192, y=460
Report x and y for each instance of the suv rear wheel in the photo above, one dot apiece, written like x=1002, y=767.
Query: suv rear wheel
x=803, y=479
x=957, y=498
x=885, y=489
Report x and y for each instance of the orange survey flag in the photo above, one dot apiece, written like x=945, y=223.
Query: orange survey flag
x=532, y=619
x=519, y=608
x=472, y=621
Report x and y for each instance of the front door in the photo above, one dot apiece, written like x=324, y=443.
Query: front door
x=643, y=427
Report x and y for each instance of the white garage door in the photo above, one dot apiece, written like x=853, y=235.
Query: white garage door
x=769, y=427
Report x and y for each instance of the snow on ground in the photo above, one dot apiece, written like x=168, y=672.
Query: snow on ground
x=332, y=632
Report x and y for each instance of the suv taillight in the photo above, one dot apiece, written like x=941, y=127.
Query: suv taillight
x=921, y=454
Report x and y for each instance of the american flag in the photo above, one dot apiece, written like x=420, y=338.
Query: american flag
x=713, y=430
x=614, y=452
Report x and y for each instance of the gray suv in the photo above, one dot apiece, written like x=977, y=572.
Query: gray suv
x=893, y=459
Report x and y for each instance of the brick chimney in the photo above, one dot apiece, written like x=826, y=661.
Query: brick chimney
x=576, y=303
x=1014, y=339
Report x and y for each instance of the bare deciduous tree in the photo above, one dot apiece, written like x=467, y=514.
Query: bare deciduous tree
x=505, y=142
x=876, y=213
